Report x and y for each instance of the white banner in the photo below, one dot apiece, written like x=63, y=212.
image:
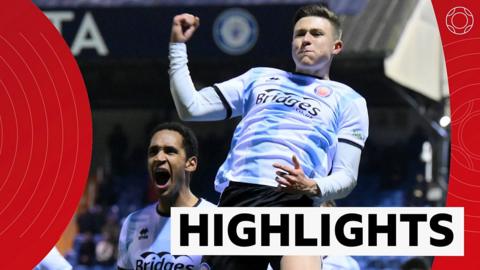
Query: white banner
x=399, y=231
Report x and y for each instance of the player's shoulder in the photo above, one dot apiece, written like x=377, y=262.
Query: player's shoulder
x=142, y=215
x=344, y=90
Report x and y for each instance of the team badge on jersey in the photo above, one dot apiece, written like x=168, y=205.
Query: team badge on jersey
x=323, y=91
x=143, y=234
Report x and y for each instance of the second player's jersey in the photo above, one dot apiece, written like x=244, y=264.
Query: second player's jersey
x=53, y=261
x=287, y=114
x=145, y=242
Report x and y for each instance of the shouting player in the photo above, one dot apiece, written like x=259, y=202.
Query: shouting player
x=145, y=235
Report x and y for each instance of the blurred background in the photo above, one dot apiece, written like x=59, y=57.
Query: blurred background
x=392, y=56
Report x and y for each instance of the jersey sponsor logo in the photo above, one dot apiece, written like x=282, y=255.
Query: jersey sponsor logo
x=143, y=234
x=235, y=31
x=163, y=261
x=308, y=107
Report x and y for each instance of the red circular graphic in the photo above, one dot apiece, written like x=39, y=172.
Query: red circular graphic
x=459, y=20
x=45, y=135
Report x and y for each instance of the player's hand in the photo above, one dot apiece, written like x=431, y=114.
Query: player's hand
x=183, y=27
x=293, y=180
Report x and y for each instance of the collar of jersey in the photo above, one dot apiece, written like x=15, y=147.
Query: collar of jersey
x=168, y=215
x=308, y=75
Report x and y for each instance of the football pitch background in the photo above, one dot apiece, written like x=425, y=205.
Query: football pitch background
x=46, y=130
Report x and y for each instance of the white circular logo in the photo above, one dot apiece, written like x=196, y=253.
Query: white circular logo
x=235, y=31
x=459, y=20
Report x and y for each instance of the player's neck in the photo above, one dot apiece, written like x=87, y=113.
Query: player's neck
x=184, y=198
x=319, y=73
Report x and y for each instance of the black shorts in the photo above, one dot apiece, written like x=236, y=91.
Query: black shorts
x=250, y=195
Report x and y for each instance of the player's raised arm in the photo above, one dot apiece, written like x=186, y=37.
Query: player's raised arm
x=191, y=105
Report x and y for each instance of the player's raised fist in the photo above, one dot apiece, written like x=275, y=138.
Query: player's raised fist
x=183, y=27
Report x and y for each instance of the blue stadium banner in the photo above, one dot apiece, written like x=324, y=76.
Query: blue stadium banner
x=143, y=33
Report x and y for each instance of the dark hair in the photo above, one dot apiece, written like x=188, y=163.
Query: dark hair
x=319, y=10
x=190, y=142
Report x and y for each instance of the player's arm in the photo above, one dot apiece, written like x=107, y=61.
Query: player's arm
x=352, y=134
x=123, y=258
x=191, y=105
x=343, y=177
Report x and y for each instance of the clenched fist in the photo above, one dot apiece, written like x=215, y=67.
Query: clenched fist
x=183, y=27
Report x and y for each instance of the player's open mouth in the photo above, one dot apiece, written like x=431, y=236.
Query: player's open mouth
x=161, y=176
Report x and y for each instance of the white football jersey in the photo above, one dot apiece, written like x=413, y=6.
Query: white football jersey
x=144, y=242
x=285, y=114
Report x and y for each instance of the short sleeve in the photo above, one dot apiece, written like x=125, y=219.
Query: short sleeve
x=353, y=126
x=231, y=93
